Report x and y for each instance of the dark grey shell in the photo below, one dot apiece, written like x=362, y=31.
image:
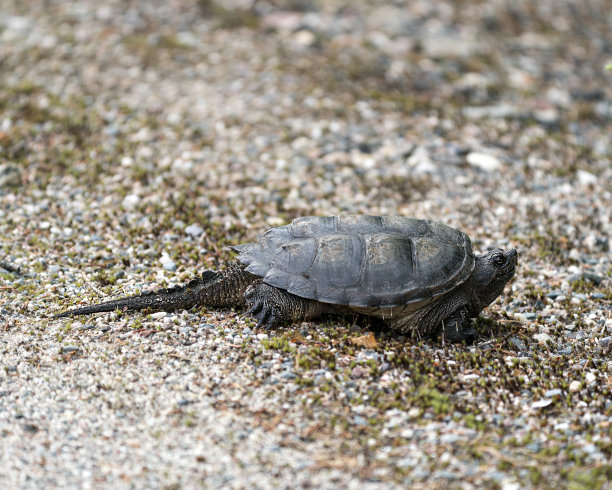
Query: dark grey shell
x=363, y=261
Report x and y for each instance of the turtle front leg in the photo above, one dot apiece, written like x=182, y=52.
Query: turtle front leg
x=458, y=327
x=272, y=307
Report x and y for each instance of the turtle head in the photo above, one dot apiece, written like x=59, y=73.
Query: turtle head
x=491, y=273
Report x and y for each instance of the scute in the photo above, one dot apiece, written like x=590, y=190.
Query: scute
x=337, y=265
x=362, y=261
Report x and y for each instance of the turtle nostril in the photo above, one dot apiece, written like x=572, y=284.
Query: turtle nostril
x=511, y=256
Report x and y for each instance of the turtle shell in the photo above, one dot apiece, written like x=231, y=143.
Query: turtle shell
x=362, y=261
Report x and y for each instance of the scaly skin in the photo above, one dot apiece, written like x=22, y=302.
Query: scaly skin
x=224, y=289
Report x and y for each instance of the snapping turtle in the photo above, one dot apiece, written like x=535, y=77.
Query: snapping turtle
x=419, y=276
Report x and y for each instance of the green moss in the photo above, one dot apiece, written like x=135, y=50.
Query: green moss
x=105, y=277
x=595, y=478
x=586, y=286
x=315, y=358
x=433, y=399
x=279, y=342
x=229, y=18
x=551, y=246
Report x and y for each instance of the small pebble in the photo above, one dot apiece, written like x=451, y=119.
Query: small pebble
x=483, y=161
x=70, y=348
x=542, y=337
x=590, y=378
x=10, y=175
x=575, y=386
x=130, y=202
x=384, y=367
x=521, y=318
x=30, y=428
x=586, y=178
x=194, y=230
x=358, y=372
x=518, y=343
x=541, y=403
x=606, y=341
x=304, y=38
x=449, y=438
x=167, y=263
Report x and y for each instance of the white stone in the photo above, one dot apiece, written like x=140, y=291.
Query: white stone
x=542, y=403
x=130, y=202
x=407, y=433
x=586, y=178
x=590, y=242
x=420, y=162
x=304, y=38
x=483, y=161
x=167, y=263
x=414, y=412
x=590, y=378
x=575, y=386
x=494, y=112
x=521, y=318
x=542, y=337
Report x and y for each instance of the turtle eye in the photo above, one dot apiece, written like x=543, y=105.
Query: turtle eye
x=499, y=259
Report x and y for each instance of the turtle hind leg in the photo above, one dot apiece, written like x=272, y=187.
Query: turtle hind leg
x=458, y=328
x=272, y=307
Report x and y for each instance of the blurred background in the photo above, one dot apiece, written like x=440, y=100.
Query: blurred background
x=493, y=116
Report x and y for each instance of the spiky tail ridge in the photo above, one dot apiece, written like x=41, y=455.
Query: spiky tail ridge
x=214, y=289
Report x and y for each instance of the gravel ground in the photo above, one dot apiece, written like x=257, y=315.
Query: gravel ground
x=138, y=139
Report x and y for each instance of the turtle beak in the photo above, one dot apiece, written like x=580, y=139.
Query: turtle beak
x=511, y=257
x=511, y=262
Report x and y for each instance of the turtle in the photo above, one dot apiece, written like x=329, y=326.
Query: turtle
x=420, y=277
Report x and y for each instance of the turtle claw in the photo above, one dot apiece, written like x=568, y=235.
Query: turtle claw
x=271, y=321
x=262, y=318
x=254, y=309
x=267, y=318
x=262, y=309
x=458, y=328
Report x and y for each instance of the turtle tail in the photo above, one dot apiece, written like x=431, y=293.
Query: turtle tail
x=214, y=289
